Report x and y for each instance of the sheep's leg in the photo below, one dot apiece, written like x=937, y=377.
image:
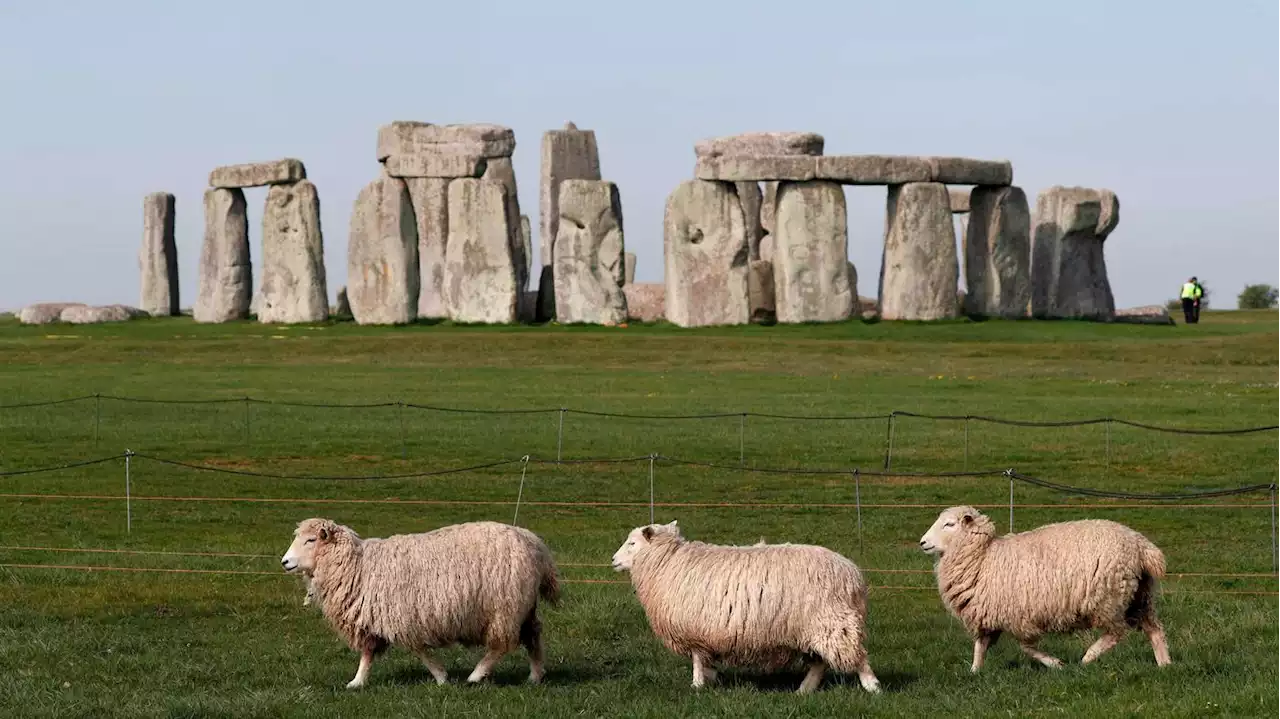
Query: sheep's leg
x=980, y=646
x=1155, y=632
x=362, y=672
x=531, y=638
x=485, y=666
x=1104, y=644
x=434, y=666
x=813, y=679
x=867, y=678
x=703, y=672
x=1029, y=647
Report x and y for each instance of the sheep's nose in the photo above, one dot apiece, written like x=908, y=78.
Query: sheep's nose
x=284, y=562
x=922, y=542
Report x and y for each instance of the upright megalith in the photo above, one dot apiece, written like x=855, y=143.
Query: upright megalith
x=811, y=253
x=502, y=171
x=382, y=255
x=1068, y=269
x=430, y=199
x=629, y=268
x=567, y=154
x=226, y=274
x=158, y=258
x=997, y=253
x=588, y=267
x=706, y=253
x=480, y=264
x=918, y=272
x=760, y=293
x=293, y=277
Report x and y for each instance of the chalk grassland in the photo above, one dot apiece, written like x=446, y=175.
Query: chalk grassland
x=142, y=643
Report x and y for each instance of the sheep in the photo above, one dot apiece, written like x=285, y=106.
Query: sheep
x=762, y=606
x=471, y=584
x=1057, y=578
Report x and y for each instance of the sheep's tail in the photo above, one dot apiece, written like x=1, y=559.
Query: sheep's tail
x=1152, y=560
x=549, y=584
x=1142, y=607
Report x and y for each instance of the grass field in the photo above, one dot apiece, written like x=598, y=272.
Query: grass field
x=219, y=643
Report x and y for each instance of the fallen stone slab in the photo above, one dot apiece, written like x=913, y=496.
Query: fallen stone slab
x=382, y=255
x=646, y=301
x=480, y=265
x=997, y=253
x=158, y=257
x=442, y=164
x=811, y=254
x=258, y=174
x=589, y=269
x=226, y=274
x=761, y=143
x=294, y=288
x=965, y=171
x=959, y=201
x=919, y=271
x=408, y=137
x=873, y=169
x=567, y=154
x=83, y=315
x=43, y=313
x=753, y=168
x=706, y=255
x=1145, y=315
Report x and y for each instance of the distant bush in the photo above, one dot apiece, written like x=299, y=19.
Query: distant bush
x=1258, y=297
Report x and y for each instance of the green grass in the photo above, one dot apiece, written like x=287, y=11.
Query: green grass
x=76, y=643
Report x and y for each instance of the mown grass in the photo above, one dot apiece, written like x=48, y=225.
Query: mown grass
x=76, y=643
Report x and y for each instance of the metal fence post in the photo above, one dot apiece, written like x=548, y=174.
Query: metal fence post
x=524, y=468
x=888, y=449
x=1010, y=475
x=742, y=439
x=652, y=458
x=128, y=493
x=857, y=500
x=560, y=435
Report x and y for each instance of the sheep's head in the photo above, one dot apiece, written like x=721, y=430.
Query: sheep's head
x=953, y=527
x=310, y=535
x=639, y=538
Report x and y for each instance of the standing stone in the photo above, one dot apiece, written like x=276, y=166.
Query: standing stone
x=918, y=272
x=629, y=271
x=342, y=306
x=589, y=269
x=501, y=170
x=997, y=253
x=811, y=253
x=158, y=259
x=293, y=277
x=750, y=197
x=646, y=301
x=1068, y=269
x=705, y=248
x=853, y=288
x=480, y=266
x=760, y=294
x=546, y=297
x=768, y=206
x=382, y=255
x=568, y=154
x=226, y=275
x=526, y=247
x=430, y=199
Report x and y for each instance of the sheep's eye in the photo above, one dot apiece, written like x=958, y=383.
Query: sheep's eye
x=309, y=541
x=949, y=524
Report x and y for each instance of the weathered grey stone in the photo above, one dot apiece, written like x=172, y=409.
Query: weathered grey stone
x=959, y=201
x=755, y=168
x=501, y=170
x=546, y=309
x=82, y=315
x=997, y=253
x=767, y=248
x=768, y=206
x=873, y=169
x=43, y=313
x=1068, y=268
x=646, y=301
x=760, y=294
x=526, y=246
x=629, y=271
x=964, y=171
x=750, y=197
x=705, y=248
x=568, y=154
x=761, y=143
x=257, y=174
x=811, y=253
x=589, y=265
x=341, y=306
x=1146, y=315
x=853, y=289
x=293, y=277
x=382, y=255
x=226, y=275
x=443, y=164
x=408, y=137
x=918, y=272
x=430, y=198
x=158, y=258
x=480, y=266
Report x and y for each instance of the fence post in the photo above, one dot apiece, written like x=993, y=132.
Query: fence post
x=97, y=415
x=404, y=449
x=966, y=443
x=1009, y=474
x=560, y=435
x=888, y=449
x=524, y=467
x=742, y=439
x=857, y=501
x=652, y=457
x=128, y=493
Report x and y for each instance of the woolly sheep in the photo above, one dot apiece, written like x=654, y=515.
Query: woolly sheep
x=471, y=584
x=763, y=605
x=1058, y=578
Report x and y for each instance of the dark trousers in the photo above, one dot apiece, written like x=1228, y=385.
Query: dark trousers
x=1189, y=312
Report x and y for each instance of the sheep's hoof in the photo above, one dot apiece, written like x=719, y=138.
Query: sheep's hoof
x=1053, y=663
x=355, y=684
x=872, y=687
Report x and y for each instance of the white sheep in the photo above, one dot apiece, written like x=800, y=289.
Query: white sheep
x=1065, y=577
x=761, y=606
x=472, y=584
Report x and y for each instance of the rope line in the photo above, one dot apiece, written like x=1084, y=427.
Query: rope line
x=1138, y=496
x=60, y=467
x=265, y=475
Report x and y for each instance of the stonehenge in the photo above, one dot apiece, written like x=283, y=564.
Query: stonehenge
x=811, y=255
x=226, y=275
x=919, y=271
x=588, y=267
x=1068, y=269
x=382, y=255
x=706, y=254
x=293, y=278
x=567, y=154
x=480, y=273
x=158, y=258
x=997, y=252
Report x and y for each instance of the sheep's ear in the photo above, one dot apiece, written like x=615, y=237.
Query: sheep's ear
x=647, y=533
x=325, y=534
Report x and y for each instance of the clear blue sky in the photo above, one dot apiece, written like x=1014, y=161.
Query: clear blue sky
x=1173, y=105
